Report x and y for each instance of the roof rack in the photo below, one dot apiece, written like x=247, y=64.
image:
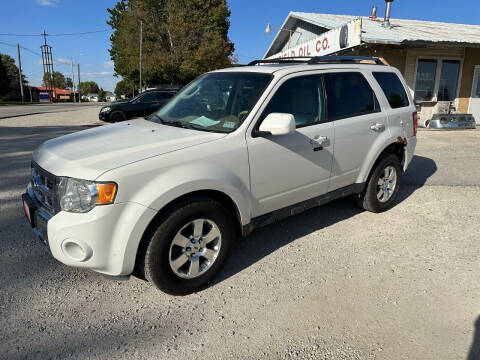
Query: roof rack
x=310, y=60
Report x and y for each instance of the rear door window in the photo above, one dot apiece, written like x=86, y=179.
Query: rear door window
x=148, y=98
x=349, y=94
x=393, y=89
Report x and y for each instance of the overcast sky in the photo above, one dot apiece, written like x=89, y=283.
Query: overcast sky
x=247, y=31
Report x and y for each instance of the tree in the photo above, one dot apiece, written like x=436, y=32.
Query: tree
x=87, y=87
x=102, y=95
x=68, y=83
x=125, y=87
x=182, y=39
x=9, y=75
x=58, y=79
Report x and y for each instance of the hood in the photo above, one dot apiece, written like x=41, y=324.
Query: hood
x=89, y=153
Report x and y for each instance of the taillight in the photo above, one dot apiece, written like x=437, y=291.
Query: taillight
x=415, y=123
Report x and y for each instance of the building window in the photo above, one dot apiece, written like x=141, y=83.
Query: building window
x=425, y=83
x=447, y=90
x=437, y=80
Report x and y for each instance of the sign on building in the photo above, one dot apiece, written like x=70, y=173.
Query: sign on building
x=340, y=38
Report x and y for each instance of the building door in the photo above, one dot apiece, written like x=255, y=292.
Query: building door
x=474, y=107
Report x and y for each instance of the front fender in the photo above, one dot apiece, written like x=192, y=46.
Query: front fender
x=175, y=182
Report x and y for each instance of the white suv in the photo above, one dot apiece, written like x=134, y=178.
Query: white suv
x=164, y=197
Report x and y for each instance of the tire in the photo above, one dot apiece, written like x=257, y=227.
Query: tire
x=162, y=255
x=117, y=116
x=343, y=40
x=372, y=198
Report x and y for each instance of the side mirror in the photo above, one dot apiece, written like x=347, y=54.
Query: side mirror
x=278, y=124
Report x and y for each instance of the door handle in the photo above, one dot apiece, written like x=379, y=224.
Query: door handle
x=317, y=139
x=377, y=127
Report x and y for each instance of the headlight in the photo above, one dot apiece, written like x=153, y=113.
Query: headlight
x=80, y=196
x=105, y=109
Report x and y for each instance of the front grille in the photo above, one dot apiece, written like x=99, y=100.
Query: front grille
x=44, y=188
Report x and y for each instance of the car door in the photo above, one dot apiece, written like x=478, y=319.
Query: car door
x=288, y=169
x=148, y=103
x=353, y=108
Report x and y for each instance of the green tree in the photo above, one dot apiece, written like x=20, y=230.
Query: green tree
x=87, y=87
x=125, y=87
x=68, y=83
x=182, y=39
x=102, y=95
x=9, y=75
x=58, y=79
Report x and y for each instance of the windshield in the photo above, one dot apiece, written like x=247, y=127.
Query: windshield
x=214, y=102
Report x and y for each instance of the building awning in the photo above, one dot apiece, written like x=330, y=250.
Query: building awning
x=402, y=31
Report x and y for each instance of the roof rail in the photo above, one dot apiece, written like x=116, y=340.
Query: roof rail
x=310, y=60
x=345, y=59
x=283, y=60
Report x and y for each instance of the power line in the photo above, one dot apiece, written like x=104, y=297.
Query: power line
x=65, y=34
x=23, y=47
x=33, y=52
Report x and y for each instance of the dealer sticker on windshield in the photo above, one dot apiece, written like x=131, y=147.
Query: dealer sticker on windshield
x=229, y=124
x=204, y=121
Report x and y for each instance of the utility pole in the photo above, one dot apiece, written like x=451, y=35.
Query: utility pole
x=141, y=40
x=20, y=71
x=73, y=83
x=78, y=87
x=47, y=61
x=30, y=88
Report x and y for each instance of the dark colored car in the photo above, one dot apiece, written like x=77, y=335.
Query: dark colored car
x=141, y=105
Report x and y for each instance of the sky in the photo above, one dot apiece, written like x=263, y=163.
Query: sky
x=247, y=29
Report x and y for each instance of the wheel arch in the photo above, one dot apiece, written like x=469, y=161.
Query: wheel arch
x=161, y=214
x=396, y=147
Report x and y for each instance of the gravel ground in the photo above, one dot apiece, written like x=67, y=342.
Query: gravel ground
x=332, y=283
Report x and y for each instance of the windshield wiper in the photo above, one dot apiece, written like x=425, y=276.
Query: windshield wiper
x=153, y=115
x=178, y=123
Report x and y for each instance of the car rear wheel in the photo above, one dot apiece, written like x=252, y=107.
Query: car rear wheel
x=382, y=186
x=117, y=116
x=188, y=247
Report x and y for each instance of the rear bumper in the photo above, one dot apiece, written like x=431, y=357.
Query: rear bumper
x=409, y=151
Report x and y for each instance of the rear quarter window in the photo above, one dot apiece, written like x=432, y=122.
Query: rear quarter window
x=392, y=88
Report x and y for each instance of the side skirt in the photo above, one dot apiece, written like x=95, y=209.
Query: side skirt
x=298, y=208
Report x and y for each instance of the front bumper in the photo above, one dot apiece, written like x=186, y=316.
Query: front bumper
x=452, y=121
x=104, y=239
x=104, y=116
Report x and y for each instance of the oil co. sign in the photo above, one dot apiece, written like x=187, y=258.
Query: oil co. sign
x=340, y=38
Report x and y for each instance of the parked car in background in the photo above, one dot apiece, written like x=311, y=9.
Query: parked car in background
x=141, y=105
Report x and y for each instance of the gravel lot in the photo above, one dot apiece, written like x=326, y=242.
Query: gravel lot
x=332, y=283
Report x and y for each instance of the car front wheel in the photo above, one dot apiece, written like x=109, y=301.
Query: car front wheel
x=117, y=116
x=188, y=247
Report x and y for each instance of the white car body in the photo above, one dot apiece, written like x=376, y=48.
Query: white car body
x=155, y=164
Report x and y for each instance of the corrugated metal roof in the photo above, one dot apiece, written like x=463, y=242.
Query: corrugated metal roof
x=402, y=30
